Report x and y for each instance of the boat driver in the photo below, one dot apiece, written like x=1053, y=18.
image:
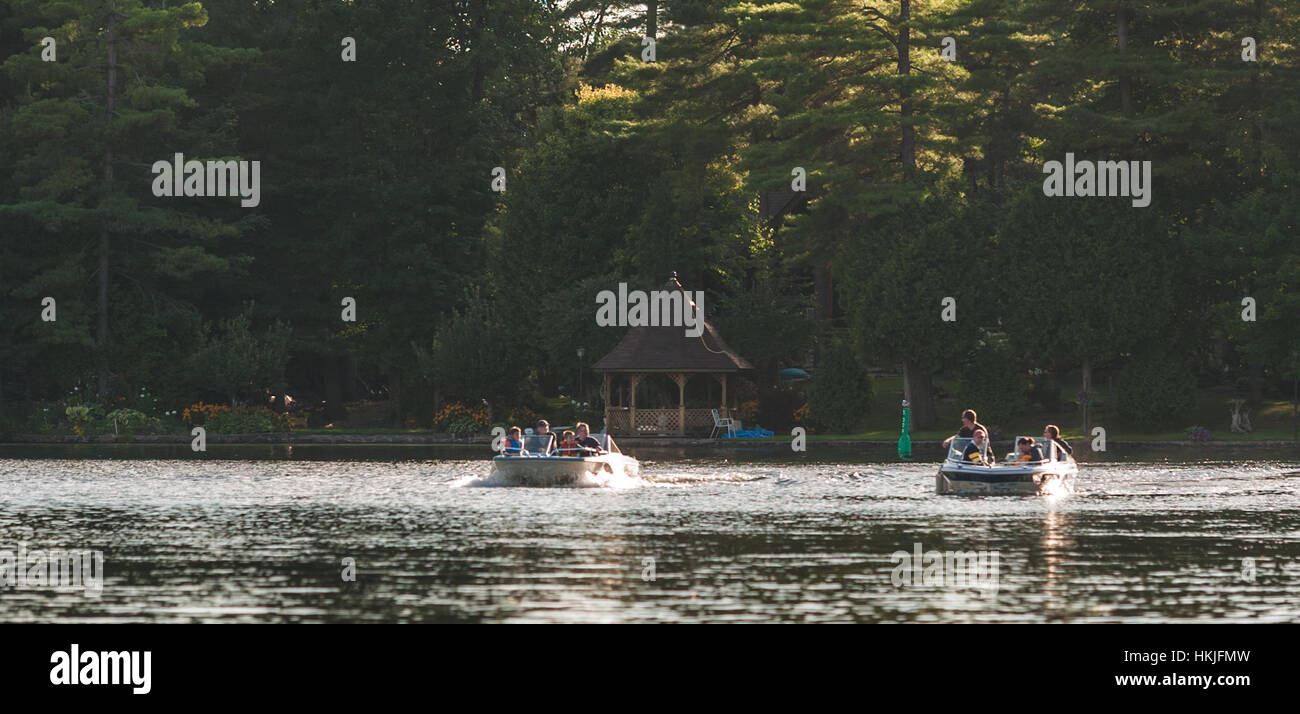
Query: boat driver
x=968, y=427
x=586, y=442
x=976, y=451
x=1029, y=451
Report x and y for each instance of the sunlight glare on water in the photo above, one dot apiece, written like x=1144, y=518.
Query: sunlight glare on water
x=729, y=539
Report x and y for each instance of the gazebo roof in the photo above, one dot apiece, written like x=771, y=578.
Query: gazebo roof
x=669, y=349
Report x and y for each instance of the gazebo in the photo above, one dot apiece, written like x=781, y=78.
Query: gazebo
x=652, y=353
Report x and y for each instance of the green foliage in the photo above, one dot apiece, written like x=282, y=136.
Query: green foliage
x=993, y=384
x=475, y=354
x=247, y=420
x=840, y=394
x=130, y=421
x=776, y=408
x=1153, y=389
x=233, y=361
x=377, y=187
x=457, y=418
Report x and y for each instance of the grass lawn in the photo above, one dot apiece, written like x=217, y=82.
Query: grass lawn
x=1272, y=422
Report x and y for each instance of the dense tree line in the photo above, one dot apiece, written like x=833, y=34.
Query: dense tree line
x=828, y=172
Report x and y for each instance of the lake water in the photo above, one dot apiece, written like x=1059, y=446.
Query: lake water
x=742, y=537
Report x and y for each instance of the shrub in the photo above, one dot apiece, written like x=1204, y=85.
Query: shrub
x=1045, y=390
x=130, y=421
x=1154, y=389
x=459, y=419
x=994, y=384
x=523, y=417
x=776, y=410
x=247, y=420
x=79, y=416
x=840, y=394
x=201, y=413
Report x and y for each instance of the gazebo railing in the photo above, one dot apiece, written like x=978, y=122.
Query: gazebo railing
x=657, y=421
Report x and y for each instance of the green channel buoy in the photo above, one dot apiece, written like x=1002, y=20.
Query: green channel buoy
x=905, y=441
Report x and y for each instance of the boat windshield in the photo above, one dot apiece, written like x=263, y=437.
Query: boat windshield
x=539, y=444
x=607, y=443
x=957, y=448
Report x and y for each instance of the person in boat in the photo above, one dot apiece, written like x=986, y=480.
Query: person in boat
x=514, y=444
x=1063, y=448
x=976, y=451
x=569, y=445
x=1029, y=451
x=586, y=442
x=543, y=427
x=968, y=427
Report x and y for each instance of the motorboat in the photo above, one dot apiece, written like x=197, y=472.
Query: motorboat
x=1053, y=475
x=540, y=464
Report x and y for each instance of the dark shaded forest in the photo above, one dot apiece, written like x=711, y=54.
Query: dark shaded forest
x=827, y=172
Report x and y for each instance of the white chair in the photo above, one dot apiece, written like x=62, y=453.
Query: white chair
x=722, y=422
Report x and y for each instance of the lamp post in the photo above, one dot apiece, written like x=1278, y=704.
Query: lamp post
x=581, y=352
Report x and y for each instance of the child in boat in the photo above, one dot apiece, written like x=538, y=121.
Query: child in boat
x=1029, y=451
x=569, y=445
x=514, y=445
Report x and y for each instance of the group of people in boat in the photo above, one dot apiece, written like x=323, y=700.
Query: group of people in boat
x=977, y=451
x=577, y=444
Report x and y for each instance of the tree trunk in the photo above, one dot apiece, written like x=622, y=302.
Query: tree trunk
x=1255, y=385
x=1125, y=84
x=101, y=326
x=823, y=290
x=919, y=392
x=908, y=154
x=1086, y=373
x=334, y=374
x=652, y=19
x=395, y=396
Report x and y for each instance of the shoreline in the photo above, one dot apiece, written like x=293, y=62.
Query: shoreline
x=290, y=438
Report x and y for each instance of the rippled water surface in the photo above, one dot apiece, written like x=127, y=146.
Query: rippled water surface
x=732, y=539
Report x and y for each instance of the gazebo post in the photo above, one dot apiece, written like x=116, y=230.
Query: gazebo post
x=725, y=411
x=608, y=400
x=633, y=380
x=680, y=379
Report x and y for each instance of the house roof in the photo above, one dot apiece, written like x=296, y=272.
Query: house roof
x=649, y=349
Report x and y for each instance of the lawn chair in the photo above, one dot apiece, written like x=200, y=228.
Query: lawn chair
x=720, y=422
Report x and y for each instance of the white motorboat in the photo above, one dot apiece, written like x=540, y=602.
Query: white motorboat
x=540, y=465
x=1055, y=474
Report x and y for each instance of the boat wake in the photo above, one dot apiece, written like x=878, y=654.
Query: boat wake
x=626, y=473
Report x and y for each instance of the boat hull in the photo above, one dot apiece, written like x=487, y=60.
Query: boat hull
x=979, y=480
x=562, y=470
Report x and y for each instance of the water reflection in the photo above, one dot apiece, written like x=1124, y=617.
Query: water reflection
x=731, y=540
